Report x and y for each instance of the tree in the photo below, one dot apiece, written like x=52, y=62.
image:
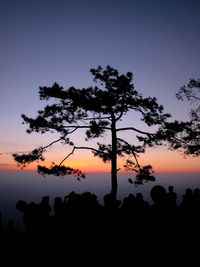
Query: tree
x=96, y=109
x=191, y=92
x=185, y=136
x=191, y=137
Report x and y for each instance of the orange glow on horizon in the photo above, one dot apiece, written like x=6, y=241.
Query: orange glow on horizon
x=162, y=161
x=98, y=170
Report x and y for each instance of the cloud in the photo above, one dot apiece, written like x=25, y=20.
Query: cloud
x=2, y=164
x=5, y=164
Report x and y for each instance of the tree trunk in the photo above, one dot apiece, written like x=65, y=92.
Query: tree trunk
x=114, y=184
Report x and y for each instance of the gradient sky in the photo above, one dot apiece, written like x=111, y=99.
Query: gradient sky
x=43, y=41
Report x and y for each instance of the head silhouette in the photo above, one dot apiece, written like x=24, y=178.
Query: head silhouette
x=170, y=188
x=158, y=195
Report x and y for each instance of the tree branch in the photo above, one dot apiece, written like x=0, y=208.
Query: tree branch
x=197, y=98
x=97, y=118
x=134, y=129
x=119, y=117
x=81, y=147
x=134, y=154
x=83, y=127
x=140, y=110
x=71, y=153
x=56, y=141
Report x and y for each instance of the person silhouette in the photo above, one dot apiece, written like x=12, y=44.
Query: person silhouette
x=1, y=224
x=197, y=197
x=187, y=202
x=159, y=196
x=172, y=196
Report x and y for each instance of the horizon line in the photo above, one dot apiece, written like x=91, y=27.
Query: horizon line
x=106, y=172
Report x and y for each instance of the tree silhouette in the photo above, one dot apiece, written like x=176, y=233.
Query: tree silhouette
x=185, y=136
x=96, y=109
x=191, y=137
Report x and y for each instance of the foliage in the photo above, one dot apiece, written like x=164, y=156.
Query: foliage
x=187, y=138
x=143, y=173
x=182, y=136
x=60, y=171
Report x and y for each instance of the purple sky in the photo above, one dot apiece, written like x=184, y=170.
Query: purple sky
x=47, y=41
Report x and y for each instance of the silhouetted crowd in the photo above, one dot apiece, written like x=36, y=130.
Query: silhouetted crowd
x=79, y=219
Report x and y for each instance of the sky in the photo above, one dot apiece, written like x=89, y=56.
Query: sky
x=47, y=41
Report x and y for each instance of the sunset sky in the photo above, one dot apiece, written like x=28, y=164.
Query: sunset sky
x=47, y=41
